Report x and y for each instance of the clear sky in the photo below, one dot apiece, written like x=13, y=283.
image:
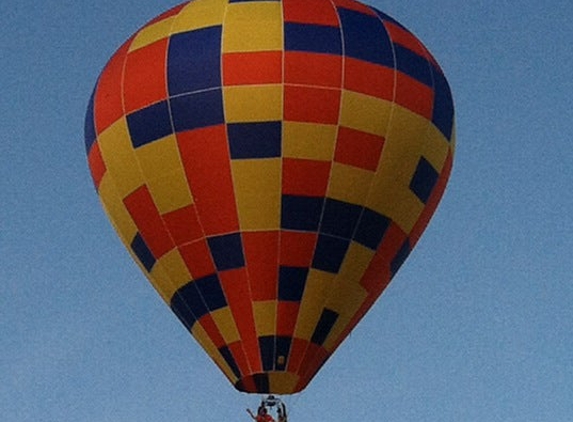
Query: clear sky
x=476, y=326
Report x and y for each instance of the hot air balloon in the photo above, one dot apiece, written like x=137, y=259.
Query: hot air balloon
x=270, y=165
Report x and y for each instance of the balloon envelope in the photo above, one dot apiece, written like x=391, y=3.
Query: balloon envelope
x=270, y=165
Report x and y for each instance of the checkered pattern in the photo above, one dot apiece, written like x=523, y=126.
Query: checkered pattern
x=270, y=165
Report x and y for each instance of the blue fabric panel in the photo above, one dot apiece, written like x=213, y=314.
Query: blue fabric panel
x=413, y=65
x=300, y=212
x=262, y=383
x=191, y=300
x=211, y=292
x=227, y=251
x=149, y=124
x=194, y=60
x=140, y=249
x=292, y=281
x=255, y=140
x=325, y=323
x=387, y=18
x=185, y=316
x=443, y=113
x=282, y=348
x=400, y=257
x=198, y=298
x=365, y=38
x=228, y=356
x=188, y=305
x=197, y=110
x=89, y=125
x=424, y=180
x=267, y=348
x=339, y=218
x=312, y=38
x=371, y=229
x=329, y=253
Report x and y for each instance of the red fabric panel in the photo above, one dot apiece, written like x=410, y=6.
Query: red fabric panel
x=252, y=68
x=414, y=95
x=309, y=104
x=297, y=248
x=183, y=225
x=305, y=177
x=310, y=12
x=197, y=258
x=96, y=164
x=148, y=221
x=369, y=78
x=261, y=257
x=358, y=149
x=108, y=102
x=235, y=286
x=205, y=156
x=313, y=69
x=145, y=80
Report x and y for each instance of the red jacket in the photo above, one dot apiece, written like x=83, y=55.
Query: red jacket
x=264, y=418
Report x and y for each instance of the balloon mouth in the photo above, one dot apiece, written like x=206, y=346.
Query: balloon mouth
x=273, y=382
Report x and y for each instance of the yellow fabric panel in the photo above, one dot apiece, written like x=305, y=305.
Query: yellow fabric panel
x=341, y=324
x=199, y=14
x=282, y=382
x=355, y=263
x=318, y=285
x=348, y=295
x=258, y=182
x=253, y=103
x=169, y=274
x=349, y=184
x=119, y=157
x=265, y=317
x=395, y=201
x=365, y=113
x=226, y=324
x=403, y=146
x=203, y=339
x=347, y=301
x=158, y=157
x=407, y=139
x=159, y=279
x=253, y=26
x=436, y=147
x=309, y=140
x=161, y=165
x=152, y=33
x=116, y=211
x=170, y=191
x=453, y=140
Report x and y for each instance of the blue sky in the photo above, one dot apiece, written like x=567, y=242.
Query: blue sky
x=476, y=326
